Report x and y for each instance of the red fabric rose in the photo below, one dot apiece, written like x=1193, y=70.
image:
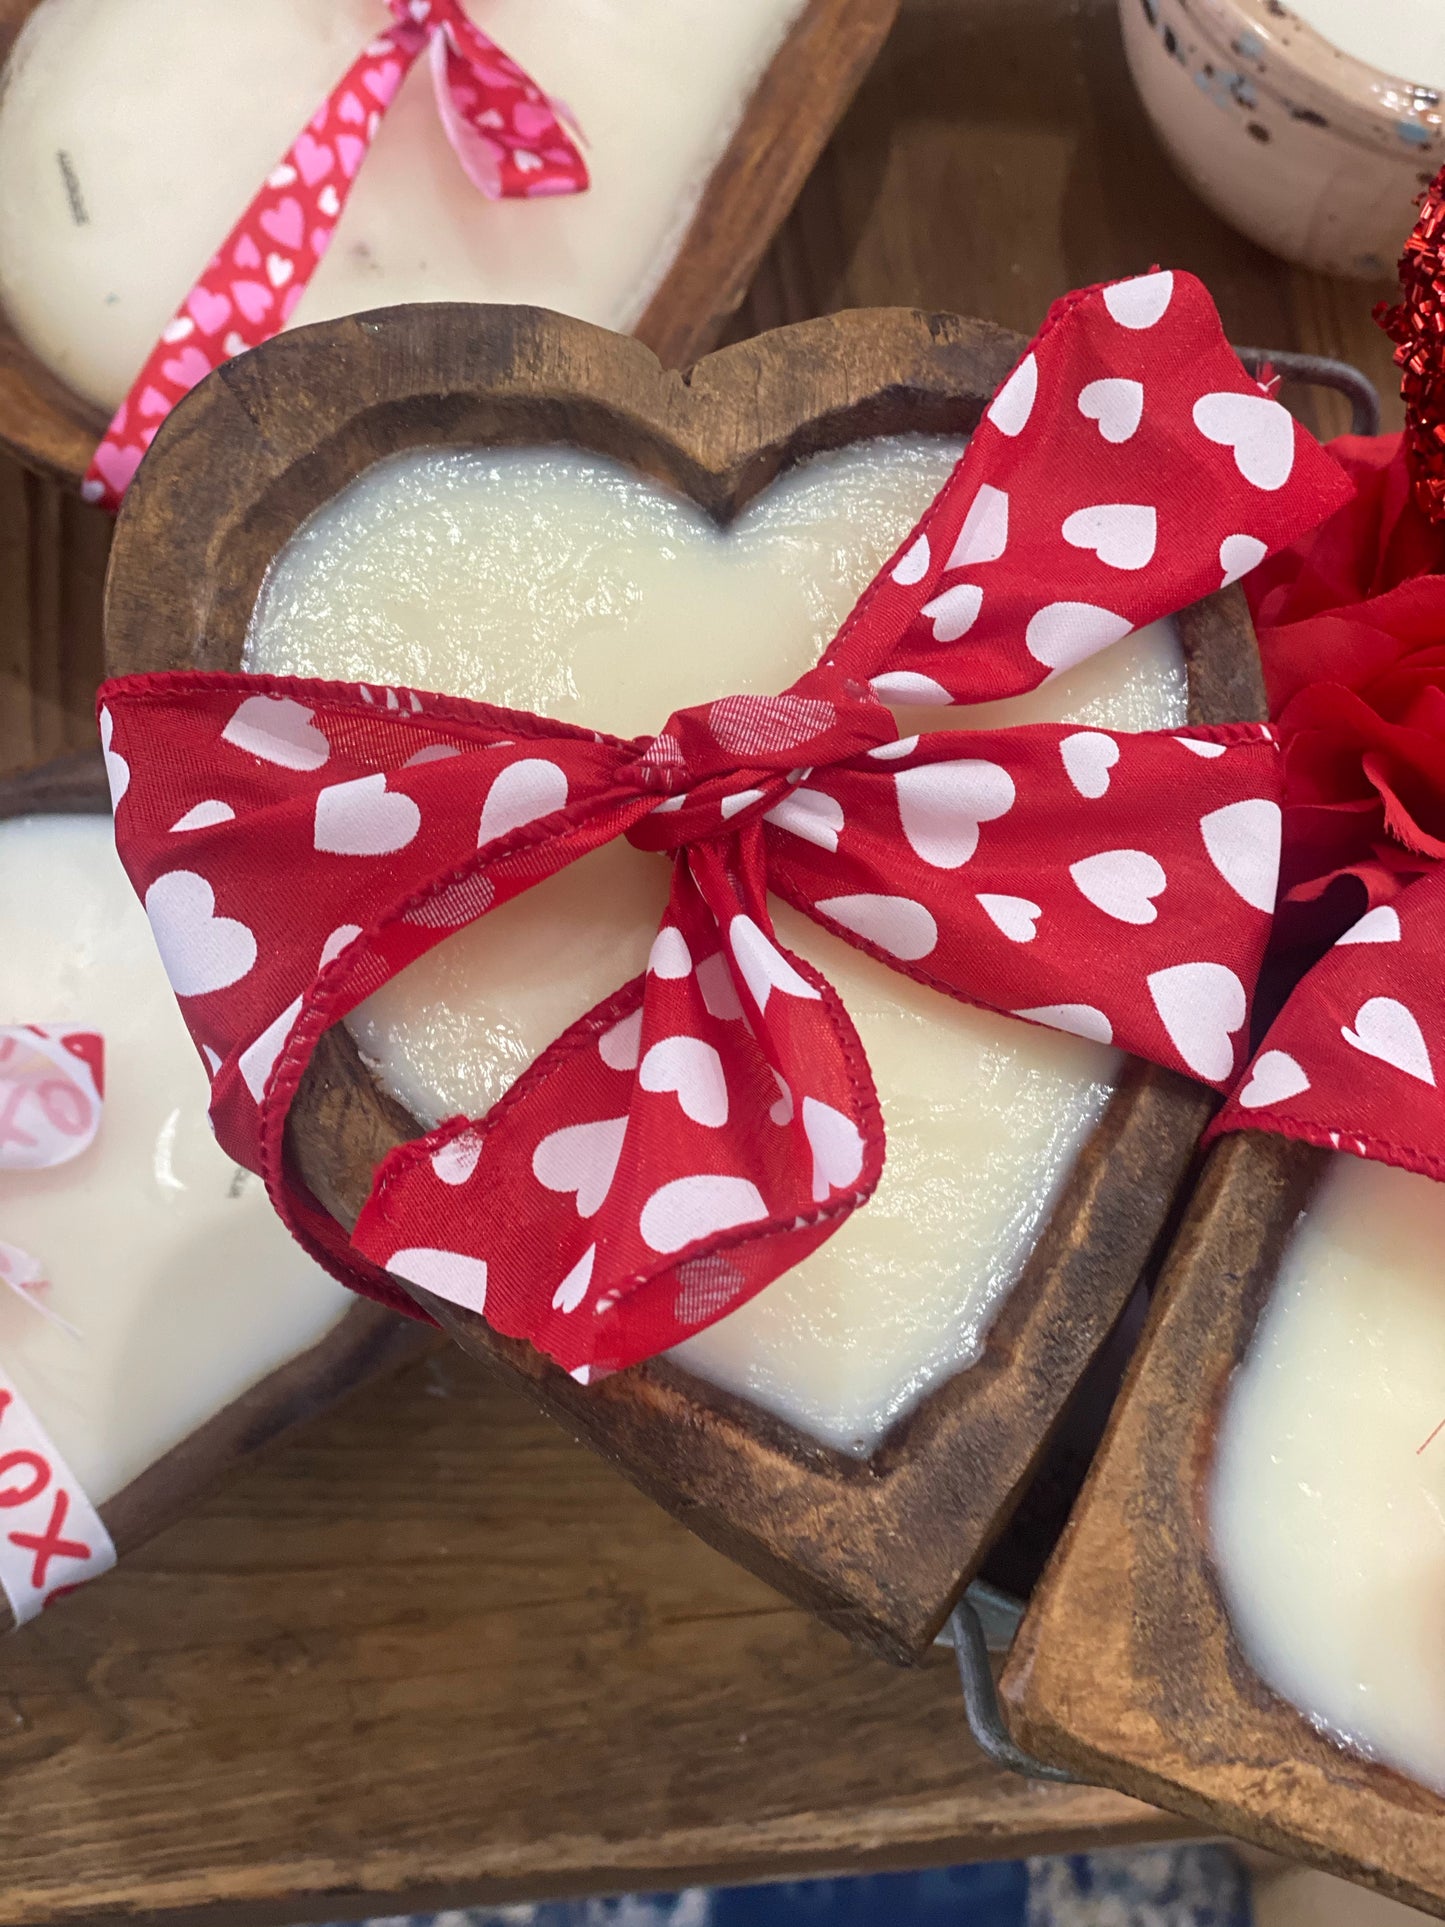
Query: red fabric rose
x=1351, y=626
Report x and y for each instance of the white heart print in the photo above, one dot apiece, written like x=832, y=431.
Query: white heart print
x=764, y=967
x=1258, y=431
x=257, y=1061
x=691, y=1070
x=1116, y=404
x=952, y=614
x=1243, y=841
x=1121, y=883
x=1063, y=633
x=573, y=1288
x=1276, y=1076
x=679, y=1213
x=117, y=769
x=277, y=730
x=912, y=565
x=1201, y=1006
x=1380, y=925
x=1089, y=756
x=898, y=925
x=1387, y=1029
x=1016, y=917
x=1011, y=407
x=1142, y=302
x=449, y=1274
x=984, y=535
x=201, y=952
x=1122, y=534
x=581, y=1158
x=204, y=816
x=522, y=793
x=364, y=818
x=837, y=1147
x=458, y=1158
x=1083, y=1020
x=669, y=957
x=1238, y=554
x=941, y=806
x=812, y=815
x=621, y=1046
x=908, y=686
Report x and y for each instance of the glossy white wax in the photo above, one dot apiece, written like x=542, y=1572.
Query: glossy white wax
x=1328, y=1518
x=170, y=113
x=169, y=1261
x=563, y=584
x=1402, y=38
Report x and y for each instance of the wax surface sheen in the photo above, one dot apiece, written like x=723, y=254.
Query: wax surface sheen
x=170, y=113
x=561, y=583
x=182, y=1283
x=1328, y=1519
x=1405, y=38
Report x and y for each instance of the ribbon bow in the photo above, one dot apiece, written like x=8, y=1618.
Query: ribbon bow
x=511, y=140
x=297, y=843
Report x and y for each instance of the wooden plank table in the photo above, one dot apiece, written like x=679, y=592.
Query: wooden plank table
x=431, y=1651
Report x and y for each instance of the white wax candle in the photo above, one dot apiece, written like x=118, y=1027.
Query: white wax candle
x=566, y=585
x=1403, y=38
x=182, y=1283
x=133, y=133
x=1328, y=1517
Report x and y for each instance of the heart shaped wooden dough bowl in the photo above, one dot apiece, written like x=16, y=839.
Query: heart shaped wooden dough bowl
x=145, y=1457
x=705, y=261
x=881, y=1545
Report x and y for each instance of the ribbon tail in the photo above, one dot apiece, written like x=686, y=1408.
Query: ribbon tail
x=683, y=1144
x=253, y=283
x=1354, y=1060
x=512, y=140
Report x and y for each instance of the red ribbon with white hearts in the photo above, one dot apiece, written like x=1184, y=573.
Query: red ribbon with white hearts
x=51, y=1537
x=510, y=138
x=298, y=843
x=1354, y=1060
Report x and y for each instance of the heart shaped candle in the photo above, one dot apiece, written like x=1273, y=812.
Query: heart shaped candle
x=754, y=1427
x=702, y=123
x=176, y=1328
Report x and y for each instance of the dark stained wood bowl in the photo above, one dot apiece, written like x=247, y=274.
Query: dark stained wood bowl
x=366, y=1340
x=879, y=1547
x=1127, y=1670
x=792, y=111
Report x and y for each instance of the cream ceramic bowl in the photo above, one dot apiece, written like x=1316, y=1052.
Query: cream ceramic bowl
x=1299, y=145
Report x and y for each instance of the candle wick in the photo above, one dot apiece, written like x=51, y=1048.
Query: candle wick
x=1432, y=1438
x=72, y=189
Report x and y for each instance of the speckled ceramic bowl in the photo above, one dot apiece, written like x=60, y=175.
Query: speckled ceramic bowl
x=1305, y=149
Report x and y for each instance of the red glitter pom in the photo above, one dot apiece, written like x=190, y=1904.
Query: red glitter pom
x=1417, y=327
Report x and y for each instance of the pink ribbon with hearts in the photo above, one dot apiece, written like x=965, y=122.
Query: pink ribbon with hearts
x=510, y=138
x=298, y=843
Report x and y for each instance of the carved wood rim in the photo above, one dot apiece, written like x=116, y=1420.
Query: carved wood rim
x=1127, y=1669
x=790, y=115
x=879, y=1547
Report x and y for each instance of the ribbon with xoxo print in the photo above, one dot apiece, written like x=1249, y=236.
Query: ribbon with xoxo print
x=52, y=1078
x=51, y=1537
x=511, y=140
x=298, y=843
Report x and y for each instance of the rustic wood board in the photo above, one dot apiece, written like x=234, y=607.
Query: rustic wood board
x=1126, y=1669
x=348, y=1682
x=880, y=1548
x=794, y=107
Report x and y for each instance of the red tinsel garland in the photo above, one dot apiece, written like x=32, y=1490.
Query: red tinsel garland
x=1416, y=324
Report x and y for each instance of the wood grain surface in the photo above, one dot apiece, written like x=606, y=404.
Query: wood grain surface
x=882, y=1548
x=792, y=110
x=431, y=1651
x=1126, y=1669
